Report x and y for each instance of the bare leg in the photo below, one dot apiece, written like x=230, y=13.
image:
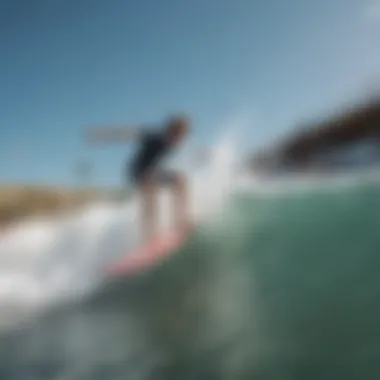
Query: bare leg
x=149, y=212
x=180, y=204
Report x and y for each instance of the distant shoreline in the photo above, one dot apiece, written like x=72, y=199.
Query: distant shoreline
x=350, y=138
x=19, y=202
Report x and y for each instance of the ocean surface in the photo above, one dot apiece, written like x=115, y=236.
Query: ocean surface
x=282, y=283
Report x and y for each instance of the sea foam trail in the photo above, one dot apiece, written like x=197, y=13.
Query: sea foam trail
x=45, y=261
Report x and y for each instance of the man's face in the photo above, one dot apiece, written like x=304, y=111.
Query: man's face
x=179, y=133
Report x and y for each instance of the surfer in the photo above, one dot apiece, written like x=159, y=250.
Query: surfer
x=145, y=169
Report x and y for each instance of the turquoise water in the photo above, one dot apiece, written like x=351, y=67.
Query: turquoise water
x=281, y=287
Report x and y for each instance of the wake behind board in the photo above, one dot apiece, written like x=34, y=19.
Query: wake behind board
x=148, y=256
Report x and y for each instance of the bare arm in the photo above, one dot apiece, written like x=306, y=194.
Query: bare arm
x=112, y=134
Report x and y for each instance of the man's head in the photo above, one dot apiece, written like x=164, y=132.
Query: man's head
x=177, y=128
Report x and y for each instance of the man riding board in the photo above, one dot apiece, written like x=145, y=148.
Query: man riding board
x=145, y=169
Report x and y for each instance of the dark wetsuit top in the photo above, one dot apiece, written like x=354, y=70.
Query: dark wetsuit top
x=153, y=148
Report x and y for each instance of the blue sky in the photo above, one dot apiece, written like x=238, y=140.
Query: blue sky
x=67, y=64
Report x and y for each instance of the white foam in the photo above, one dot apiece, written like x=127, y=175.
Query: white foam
x=48, y=260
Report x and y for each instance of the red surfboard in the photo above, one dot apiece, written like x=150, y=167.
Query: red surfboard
x=148, y=256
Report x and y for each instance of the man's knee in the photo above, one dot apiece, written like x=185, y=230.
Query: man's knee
x=148, y=188
x=180, y=182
